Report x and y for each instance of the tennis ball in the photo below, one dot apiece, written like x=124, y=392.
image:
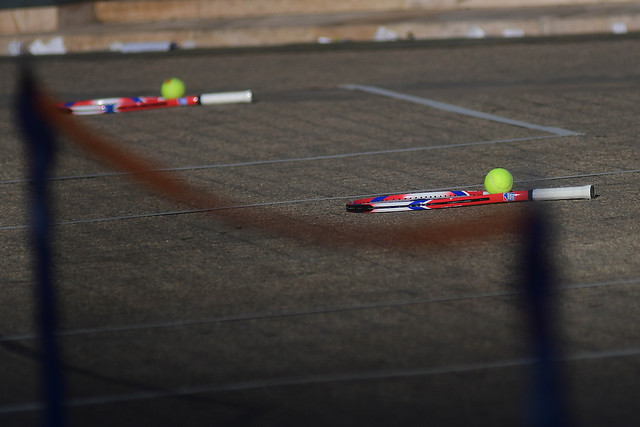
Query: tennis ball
x=172, y=88
x=499, y=180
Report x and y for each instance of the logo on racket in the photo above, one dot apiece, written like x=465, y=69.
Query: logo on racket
x=509, y=197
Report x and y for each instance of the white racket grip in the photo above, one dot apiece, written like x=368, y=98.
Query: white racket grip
x=244, y=96
x=582, y=192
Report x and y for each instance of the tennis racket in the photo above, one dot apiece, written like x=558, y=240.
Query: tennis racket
x=454, y=199
x=139, y=103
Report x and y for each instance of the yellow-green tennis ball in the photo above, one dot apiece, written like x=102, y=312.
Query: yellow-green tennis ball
x=499, y=180
x=173, y=88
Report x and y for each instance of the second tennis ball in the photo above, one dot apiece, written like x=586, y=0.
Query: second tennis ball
x=173, y=88
x=499, y=180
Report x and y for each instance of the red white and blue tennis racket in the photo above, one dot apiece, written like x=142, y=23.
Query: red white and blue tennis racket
x=139, y=103
x=454, y=199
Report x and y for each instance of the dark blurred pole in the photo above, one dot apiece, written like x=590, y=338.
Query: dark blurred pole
x=546, y=403
x=40, y=144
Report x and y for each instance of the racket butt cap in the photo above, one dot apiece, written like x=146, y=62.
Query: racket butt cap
x=359, y=208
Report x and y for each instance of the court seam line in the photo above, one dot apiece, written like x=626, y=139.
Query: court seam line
x=286, y=202
x=320, y=379
x=310, y=312
x=292, y=159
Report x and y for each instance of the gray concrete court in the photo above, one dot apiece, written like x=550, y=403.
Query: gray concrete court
x=171, y=317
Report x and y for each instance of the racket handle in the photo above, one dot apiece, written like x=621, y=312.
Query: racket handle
x=582, y=192
x=226, y=97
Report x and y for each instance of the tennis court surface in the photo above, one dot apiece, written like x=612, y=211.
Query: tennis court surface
x=278, y=307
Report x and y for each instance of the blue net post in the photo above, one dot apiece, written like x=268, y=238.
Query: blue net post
x=546, y=400
x=40, y=149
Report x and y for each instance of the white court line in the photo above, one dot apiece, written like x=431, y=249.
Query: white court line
x=309, y=312
x=373, y=90
x=318, y=379
x=455, y=109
